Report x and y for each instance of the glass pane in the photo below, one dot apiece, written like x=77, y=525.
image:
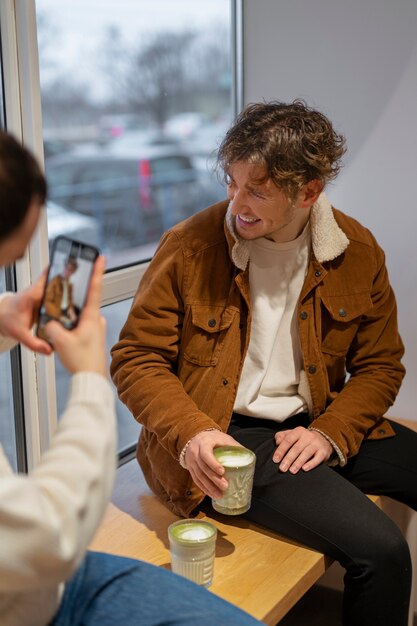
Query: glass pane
x=128, y=429
x=135, y=97
x=7, y=428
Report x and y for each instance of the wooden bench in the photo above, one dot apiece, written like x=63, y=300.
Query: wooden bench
x=257, y=570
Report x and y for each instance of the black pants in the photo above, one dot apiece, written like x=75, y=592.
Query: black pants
x=326, y=509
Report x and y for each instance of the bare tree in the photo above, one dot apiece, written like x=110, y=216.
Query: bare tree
x=157, y=74
x=209, y=59
x=66, y=104
x=113, y=60
x=163, y=73
x=48, y=35
x=168, y=72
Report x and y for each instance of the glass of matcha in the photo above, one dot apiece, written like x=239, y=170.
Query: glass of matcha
x=192, y=545
x=239, y=466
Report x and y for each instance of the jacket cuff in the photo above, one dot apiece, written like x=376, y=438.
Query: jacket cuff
x=340, y=460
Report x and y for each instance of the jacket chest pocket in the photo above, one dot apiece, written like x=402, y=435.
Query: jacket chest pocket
x=341, y=316
x=204, y=332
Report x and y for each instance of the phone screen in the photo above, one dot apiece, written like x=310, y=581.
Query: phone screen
x=67, y=283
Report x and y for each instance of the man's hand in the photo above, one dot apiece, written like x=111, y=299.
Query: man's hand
x=18, y=313
x=206, y=471
x=300, y=448
x=84, y=348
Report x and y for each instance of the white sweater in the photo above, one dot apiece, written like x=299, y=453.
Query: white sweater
x=47, y=519
x=269, y=384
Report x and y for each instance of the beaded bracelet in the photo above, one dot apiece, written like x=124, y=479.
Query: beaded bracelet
x=183, y=451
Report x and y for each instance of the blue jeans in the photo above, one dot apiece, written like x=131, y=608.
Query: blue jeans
x=108, y=590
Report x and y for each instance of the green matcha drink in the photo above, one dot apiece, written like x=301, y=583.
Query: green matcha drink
x=192, y=546
x=239, y=465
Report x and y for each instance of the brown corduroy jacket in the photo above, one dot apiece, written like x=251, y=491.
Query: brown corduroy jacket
x=179, y=358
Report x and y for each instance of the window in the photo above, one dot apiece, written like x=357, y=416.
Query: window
x=134, y=101
x=135, y=98
x=7, y=427
x=115, y=315
x=9, y=388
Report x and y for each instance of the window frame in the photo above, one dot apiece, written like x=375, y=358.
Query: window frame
x=23, y=117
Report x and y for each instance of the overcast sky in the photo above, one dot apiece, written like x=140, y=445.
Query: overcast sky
x=76, y=27
x=85, y=17
x=133, y=14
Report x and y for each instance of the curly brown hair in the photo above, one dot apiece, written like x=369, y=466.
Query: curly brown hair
x=293, y=142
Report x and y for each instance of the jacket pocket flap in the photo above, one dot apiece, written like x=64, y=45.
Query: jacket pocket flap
x=211, y=318
x=347, y=308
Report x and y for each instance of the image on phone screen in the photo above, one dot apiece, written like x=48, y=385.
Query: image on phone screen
x=67, y=283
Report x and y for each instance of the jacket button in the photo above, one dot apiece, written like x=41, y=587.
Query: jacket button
x=317, y=273
x=342, y=313
x=212, y=323
x=381, y=431
x=225, y=381
x=188, y=493
x=304, y=315
x=312, y=369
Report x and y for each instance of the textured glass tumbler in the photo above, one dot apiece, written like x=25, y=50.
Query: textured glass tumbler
x=192, y=545
x=239, y=466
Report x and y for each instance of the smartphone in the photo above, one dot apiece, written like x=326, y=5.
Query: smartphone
x=67, y=283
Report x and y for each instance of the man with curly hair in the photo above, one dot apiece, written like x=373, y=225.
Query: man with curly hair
x=268, y=321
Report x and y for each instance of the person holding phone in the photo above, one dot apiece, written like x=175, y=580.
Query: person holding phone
x=48, y=518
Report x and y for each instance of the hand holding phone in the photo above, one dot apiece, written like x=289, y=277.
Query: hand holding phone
x=18, y=312
x=67, y=283
x=69, y=314
x=84, y=348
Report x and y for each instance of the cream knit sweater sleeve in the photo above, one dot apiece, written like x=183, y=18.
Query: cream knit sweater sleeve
x=48, y=518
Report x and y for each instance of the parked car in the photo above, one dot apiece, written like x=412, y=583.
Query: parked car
x=206, y=139
x=136, y=140
x=71, y=224
x=183, y=125
x=202, y=147
x=110, y=127
x=134, y=195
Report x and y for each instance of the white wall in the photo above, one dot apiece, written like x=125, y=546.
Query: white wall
x=357, y=62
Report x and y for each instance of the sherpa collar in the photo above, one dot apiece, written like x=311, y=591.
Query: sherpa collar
x=328, y=239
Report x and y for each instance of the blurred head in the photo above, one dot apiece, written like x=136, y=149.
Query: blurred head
x=290, y=145
x=22, y=194
x=70, y=267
